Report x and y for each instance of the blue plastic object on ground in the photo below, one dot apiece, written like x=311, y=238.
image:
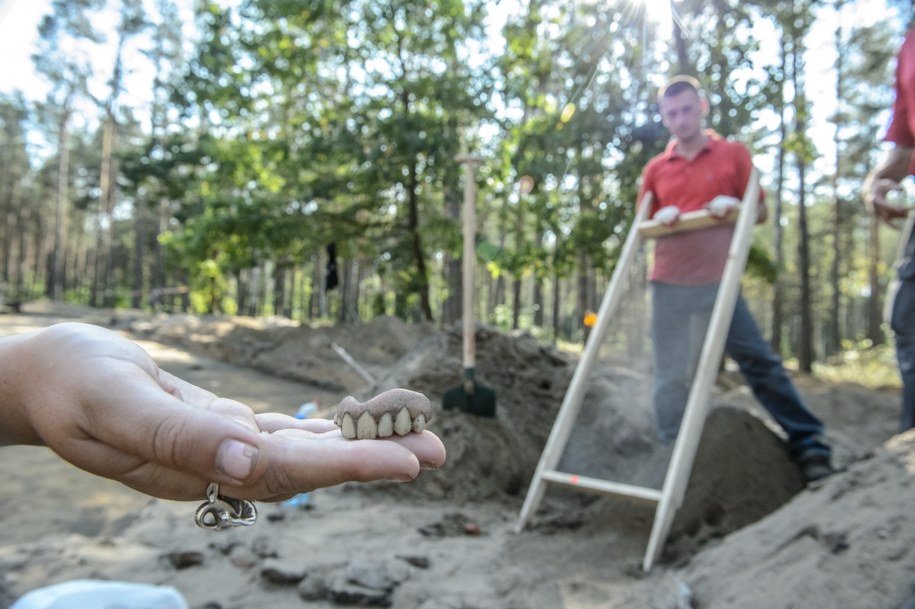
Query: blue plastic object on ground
x=304, y=411
x=101, y=594
x=300, y=500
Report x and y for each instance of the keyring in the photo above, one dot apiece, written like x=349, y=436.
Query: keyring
x=219, y=512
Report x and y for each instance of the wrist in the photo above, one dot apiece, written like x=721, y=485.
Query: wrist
x=15, y=373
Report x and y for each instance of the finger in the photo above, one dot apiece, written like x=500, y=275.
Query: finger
x=183, y=390
x=300, y=464
x=273, y=422
x=890, y=213
x=427, y=447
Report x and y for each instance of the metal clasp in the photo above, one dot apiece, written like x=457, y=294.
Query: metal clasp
x=218, y=512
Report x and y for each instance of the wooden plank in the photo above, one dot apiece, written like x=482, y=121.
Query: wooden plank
x=691, y=220
x=571, y=403
x=687, y=442
x=603, y=487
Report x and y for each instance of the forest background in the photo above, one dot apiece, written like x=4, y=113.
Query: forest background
x=297, y=158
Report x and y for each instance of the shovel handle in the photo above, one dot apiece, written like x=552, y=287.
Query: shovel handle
x=469, y=227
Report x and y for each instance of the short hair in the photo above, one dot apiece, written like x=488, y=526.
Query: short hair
x=678, y=84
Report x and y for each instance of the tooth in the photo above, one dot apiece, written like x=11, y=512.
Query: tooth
x=348, y=428
x=385, y=425
x=403, y=424
x=419, y=423
x=366, y=427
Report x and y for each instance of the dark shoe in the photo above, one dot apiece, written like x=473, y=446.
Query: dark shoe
x=816, y=468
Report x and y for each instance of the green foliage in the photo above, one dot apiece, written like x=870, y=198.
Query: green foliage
x=294, y=125
x=208, y=288
x=760, y=264
x=862, y=363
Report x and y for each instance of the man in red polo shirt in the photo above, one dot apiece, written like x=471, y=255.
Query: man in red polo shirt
x=700, y=170
x=898, y=164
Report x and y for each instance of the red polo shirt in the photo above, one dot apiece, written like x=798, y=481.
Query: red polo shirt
x=902, y=127
x=722, y=167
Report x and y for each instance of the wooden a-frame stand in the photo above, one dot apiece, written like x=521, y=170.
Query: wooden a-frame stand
x=670, y=497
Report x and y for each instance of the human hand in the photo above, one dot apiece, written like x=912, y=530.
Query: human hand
x=722, y=205
x=99, y=401
x=667, y=215
x=880, y=200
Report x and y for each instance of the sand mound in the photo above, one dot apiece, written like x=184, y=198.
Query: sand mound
x=852, y=532
x=848, y=542
x=487, y=458
x=284, y=348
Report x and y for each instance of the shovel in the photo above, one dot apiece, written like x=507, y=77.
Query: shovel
x=471, y=396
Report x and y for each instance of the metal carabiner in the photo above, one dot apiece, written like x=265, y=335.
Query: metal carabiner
x=218, y=512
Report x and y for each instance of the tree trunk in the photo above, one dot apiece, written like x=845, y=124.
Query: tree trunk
x=104, y=214
x=516, y=302
x=345, y=290
x=315, y=309
x=537, y=302
x=685, y=65
x=556, y=302
x=279, y=290
x=778, y=306
x=834, y=337
x=416, y=243
x=583, y=301
x=537, y=288
x=451, y=307
x=805, y=345
x=139, y=254
x=11, y=229
x=253, y=291
x=60, y=217
x=874, y=308
x=805, y=340
x=22, y=258
x=241, y=291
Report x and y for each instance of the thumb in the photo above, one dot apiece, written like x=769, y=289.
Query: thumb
x=238, y=433
x=213, y=438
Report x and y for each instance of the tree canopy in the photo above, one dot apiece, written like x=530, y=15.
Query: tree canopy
x=283, y=132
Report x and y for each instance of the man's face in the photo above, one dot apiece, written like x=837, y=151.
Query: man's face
x=682, y=114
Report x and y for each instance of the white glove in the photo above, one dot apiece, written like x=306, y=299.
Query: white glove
x=722, y=205
x=667, y=215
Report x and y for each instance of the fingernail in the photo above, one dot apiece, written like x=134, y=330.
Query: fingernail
x=236, y=459
x=401, y=478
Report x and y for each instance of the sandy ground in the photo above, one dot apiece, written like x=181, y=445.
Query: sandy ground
x=749, y=535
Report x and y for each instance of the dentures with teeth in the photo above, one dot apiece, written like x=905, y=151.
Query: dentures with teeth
x=396, y=411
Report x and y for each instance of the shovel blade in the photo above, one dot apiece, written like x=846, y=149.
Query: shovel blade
x=480, y=401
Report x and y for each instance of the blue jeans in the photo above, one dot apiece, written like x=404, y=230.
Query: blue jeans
x=903, y=324
x=680, y=317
